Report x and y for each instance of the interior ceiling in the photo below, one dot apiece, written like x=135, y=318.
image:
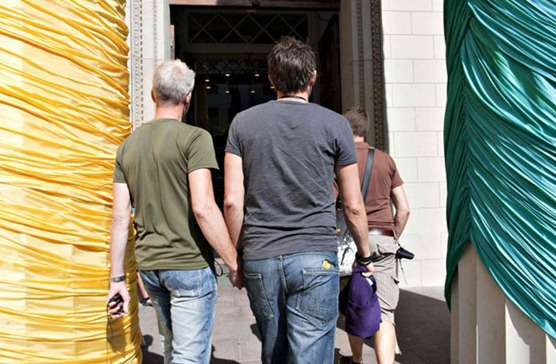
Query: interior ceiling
x=320, y=4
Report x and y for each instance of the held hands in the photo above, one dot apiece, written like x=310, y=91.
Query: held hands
x=236, y=276
x=117, y=301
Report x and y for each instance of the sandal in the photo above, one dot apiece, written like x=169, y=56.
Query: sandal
x=146, y=301
x=348, y=360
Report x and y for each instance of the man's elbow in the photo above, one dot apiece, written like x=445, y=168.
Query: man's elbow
x=120, y=220
x=354, y=210
x=201, y=211
x=403, y=212
x=231, y=204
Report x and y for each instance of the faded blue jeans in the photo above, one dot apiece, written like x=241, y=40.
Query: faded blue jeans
x=184, y=301
x=294, y=299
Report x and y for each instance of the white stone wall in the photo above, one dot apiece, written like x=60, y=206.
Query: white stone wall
x=415, y=74
x=149, y=42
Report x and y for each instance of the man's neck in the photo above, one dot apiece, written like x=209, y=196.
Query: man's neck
x=358, y=139
x=300, y=96
x=169, y=112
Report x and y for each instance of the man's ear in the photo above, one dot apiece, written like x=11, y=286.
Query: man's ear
x=152, y=96
x=187, y=99
x=270, y=80
x=313, y=79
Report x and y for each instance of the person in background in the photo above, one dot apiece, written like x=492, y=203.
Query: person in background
x=143, y=295
x=385, y=188
x=164, y=169
x=278, y=204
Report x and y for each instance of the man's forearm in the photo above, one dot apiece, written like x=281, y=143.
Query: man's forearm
x=357, y=224
x=402, y=209
x=400, y=220
x=353, y=206
x=214, y=229
x=118, y=244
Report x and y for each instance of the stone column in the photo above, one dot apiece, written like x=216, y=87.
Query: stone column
x=361, y=58
x=149, y=40
x=486, y=327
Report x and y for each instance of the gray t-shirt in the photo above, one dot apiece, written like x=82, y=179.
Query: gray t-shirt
x=289, y=150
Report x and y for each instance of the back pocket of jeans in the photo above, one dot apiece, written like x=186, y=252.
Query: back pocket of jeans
x=319, y=300
x=257, y=296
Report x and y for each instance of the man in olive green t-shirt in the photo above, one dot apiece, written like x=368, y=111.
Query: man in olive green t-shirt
x=163, y=169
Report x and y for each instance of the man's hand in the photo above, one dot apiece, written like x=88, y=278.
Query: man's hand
x=370, y=269
x=236, y=276
x=365, y=262
x=118, y=309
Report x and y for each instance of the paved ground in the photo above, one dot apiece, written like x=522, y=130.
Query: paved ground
x=423, y=329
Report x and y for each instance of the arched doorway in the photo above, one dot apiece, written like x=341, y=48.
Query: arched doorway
x=227, y=48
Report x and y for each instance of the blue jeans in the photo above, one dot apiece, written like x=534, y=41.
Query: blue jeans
x=184, y=301
x=294, y=299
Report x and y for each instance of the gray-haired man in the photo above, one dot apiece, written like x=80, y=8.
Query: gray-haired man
x=163, y=169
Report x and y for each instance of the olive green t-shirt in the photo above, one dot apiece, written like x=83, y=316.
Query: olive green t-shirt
x=154, y=162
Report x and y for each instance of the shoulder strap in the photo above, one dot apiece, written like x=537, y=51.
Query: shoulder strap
x=368, y=171
x=364, y=188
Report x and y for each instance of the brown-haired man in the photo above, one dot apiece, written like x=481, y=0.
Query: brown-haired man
x=386, y=186
x=279, y=170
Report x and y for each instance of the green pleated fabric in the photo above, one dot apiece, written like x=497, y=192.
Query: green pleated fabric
x=500, y=146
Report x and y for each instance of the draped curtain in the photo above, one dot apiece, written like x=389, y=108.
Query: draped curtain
x=63, y=112
x=500, y=146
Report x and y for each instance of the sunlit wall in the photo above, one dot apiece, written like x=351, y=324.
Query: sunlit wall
x=63, y=112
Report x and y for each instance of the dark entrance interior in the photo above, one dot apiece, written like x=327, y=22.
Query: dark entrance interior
x=227, y=49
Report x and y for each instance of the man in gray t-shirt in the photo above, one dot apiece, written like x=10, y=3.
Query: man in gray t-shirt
x=290, y=156
x=279, y=170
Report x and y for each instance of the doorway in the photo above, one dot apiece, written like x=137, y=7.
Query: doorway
x=227, y=49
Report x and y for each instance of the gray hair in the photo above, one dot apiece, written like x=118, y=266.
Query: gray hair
x=172, y=82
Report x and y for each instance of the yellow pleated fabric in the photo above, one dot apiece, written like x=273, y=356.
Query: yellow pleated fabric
x=63, y=112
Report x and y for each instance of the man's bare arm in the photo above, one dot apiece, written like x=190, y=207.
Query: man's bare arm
x=121, y=218
x=211, y=221
x=354, y=208
x=399, y=199
x=234, y=194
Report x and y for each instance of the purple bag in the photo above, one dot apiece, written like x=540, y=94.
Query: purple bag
x=359, y=303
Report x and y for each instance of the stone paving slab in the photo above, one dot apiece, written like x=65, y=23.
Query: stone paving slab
x=423, y=329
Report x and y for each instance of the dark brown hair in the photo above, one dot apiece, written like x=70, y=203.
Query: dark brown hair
x=358, y=120
x=291, y=65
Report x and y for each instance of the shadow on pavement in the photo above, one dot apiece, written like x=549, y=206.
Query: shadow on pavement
x=214, y=360
x=153, y=358
x=150, y=357
x=255, y=331
x=422, y=327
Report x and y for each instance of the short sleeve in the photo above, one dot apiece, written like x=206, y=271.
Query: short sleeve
x=200, y=152
x=396, y=178
x=345, y=153
x=118, y=173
